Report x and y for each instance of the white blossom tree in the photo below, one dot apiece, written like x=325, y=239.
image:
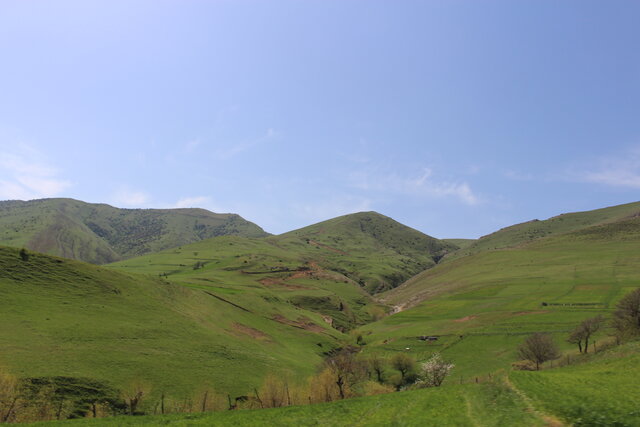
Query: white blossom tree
x=434, y=371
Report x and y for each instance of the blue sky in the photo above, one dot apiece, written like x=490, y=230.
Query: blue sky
x=454, y=117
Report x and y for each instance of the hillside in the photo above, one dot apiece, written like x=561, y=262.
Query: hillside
x=528, y=231
x=100, y=233
x=482, y=305
x=370, y=248
x=600, y=390
x=67, y=318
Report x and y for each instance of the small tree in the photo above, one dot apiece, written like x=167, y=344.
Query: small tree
x=403, y=363
x=377, y=365
x=134, y=394
x=583, y=332
x=434, y=371
x=347, y=370
x=24, y=255
x=626, y=318
x=538, y=348
x=406, y=365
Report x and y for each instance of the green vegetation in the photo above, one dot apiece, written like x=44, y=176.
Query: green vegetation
x=63, y=317
x=602, y=392
x=369, y=248
x=99, y=233
x=532, y=230
x=490, y=404
x=482, y=306
x=274, y=312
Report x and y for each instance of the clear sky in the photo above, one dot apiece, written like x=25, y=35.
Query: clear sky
x=454, y=117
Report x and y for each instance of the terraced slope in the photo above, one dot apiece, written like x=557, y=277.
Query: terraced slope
x=241, y=268
x=370, y=248
x=67, y=318
x=482, y=306
x=528, y=231
x=100, y=233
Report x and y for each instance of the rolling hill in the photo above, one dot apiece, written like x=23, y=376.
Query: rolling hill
x=99, y=233
x=531, y=230
x=481, y=306
x=370, y=248
x=62, y=317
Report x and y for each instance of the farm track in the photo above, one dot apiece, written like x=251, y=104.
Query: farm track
x=549, y=420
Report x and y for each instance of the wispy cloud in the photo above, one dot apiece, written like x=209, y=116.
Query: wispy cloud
x=192, y=145
x=25, y=174
x=622, y=170
x=518, y=176
x=193, y=202
x=131, y=198
x=233, y=150
x=422, y=185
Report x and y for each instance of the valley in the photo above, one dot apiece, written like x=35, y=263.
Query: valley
x=227, y=312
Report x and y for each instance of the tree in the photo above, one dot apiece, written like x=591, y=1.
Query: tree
x=134, y=394
x=406, y=365
x=346, y=369
x=583, y=332
x=24, y=255
x=377, y=364
x=626, y=318
x=403, y=363
x=433, y=372
x=538, y=348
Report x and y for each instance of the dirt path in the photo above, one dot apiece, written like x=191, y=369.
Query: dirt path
x=550, y=420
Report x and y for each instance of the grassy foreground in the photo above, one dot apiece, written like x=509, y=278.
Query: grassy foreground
x=492, y=404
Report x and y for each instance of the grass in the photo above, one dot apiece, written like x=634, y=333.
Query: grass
x=532, y=230
x=67, y=318
x=484, y=305
x=371, y=249
x=487, y=405
x=601, y=392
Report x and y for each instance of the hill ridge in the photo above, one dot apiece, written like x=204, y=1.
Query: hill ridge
x=101, y=233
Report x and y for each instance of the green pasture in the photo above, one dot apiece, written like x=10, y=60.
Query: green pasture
x=62, y=317
x=482, y=306
x=487, y=405
x=601, y=392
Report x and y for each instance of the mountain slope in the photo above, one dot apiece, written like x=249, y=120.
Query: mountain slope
x=481, y=306
x=99, y=233
x=370, y=248
x=528, y=231
x=67, y=318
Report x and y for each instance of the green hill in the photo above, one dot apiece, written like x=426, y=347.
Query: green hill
x=482, y=305
x=100, y=233
x=67, y=318
x=528, y=231
x=372, y=249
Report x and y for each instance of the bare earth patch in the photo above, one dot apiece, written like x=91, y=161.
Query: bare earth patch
x=302, y=322
x=465, y=319
x=253, y=333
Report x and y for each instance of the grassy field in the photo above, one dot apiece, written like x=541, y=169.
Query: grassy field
x=100, y=233
x=63, y=317
x=601, y=392
x=484, y=305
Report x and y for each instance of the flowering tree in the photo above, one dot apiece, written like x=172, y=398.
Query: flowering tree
x=434, y=371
